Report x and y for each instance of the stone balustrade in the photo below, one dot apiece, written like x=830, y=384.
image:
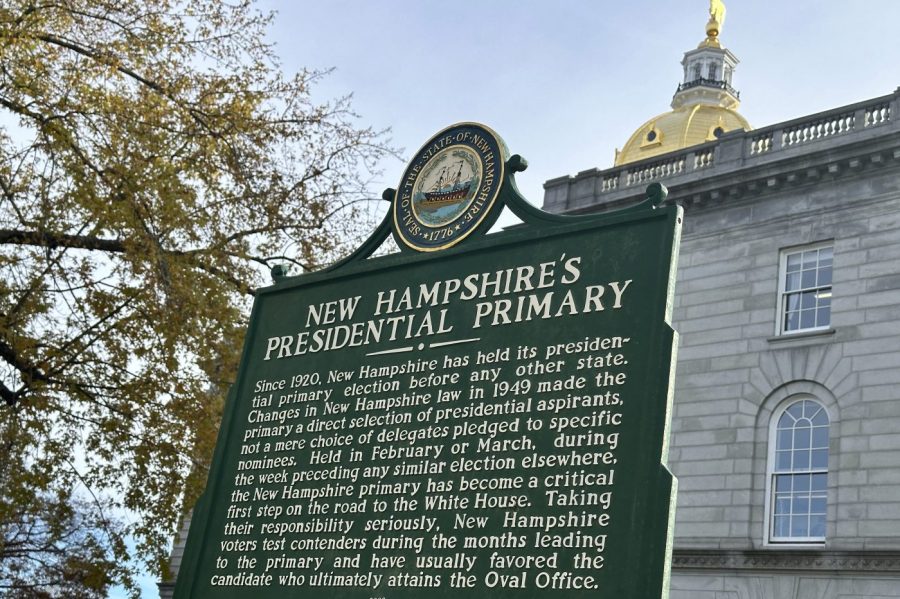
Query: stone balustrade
x=655, y=170
x=833, y=124
x=734, y=150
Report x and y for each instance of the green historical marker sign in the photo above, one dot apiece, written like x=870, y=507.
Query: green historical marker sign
x=490, y=419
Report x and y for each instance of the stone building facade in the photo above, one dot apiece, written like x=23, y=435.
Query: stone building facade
x=786, y=430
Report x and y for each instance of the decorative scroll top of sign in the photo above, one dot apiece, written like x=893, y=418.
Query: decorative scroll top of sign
x=450, y=187
x=454, y=189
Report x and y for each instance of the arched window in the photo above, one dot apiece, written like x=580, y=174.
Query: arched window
x=697, y=70
x=713, y=71
x=798, y=473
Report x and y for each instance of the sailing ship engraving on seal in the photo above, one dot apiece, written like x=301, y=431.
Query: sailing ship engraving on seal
x=447, y=186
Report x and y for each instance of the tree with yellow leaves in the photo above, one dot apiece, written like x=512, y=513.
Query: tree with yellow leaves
x=154, y=162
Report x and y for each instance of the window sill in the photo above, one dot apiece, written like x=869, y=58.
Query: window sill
x=794, y=545
x=802, y=336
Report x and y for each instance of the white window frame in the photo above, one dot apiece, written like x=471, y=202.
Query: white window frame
x=769, y=522
x=782, y=293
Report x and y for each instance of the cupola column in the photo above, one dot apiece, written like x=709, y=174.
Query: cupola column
x=709, y=68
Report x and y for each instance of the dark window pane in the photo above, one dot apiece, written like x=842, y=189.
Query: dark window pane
x=807, y=319
x=800, y=526
x=808, y=300
x=793, y=301
x=821, y=419
x=783, y=460
x=800, y=505
x=819, y=482
x=824, y=276
x=817, y=526
x=802, y=435
x=801, y=460
x=782, y=526
x=793, y=262
x=817, y=505
x=810, y=409
x=796, y=411
x=808, y=279
x=786, y=422
x=823, y=317
x=801, y=482
x=782, y=504
x=792, y=321
x=820, y=433
x=819, y=459
x=783, y=483
x=784, y=439
x=792, y=282
x=826, y=254
x=810, y=259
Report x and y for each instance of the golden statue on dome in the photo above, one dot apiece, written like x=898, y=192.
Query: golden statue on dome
x=717, y=11
x=715, y=23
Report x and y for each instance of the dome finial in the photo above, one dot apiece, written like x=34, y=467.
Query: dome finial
x=715, y=23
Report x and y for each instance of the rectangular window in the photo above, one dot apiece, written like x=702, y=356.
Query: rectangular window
x=804, y=289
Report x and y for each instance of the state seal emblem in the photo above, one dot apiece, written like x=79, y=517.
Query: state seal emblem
x=450, y=187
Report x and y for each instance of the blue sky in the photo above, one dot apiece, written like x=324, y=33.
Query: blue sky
x=566, y=82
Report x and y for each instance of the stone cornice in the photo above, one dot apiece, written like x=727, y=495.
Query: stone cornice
x=806, y=560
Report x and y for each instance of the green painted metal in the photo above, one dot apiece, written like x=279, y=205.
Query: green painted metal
x=526, y=323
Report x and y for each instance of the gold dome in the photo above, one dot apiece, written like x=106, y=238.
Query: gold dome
x=704, y=106
x=683, y=127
